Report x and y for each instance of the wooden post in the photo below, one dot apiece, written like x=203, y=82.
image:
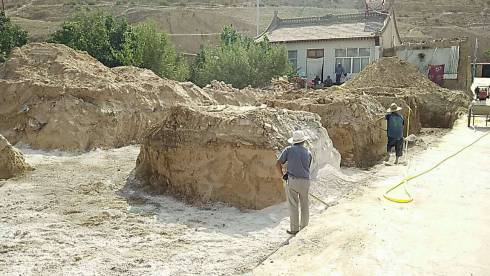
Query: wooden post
x=3, y=7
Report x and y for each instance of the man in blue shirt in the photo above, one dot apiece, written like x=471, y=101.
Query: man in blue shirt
x=395, y=123
x=298, y=160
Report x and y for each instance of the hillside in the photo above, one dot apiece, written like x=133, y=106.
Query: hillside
x=206, y=17
x=417, y=19
x=432, y=19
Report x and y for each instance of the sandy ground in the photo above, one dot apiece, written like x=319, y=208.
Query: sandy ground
x=80, y=215
x=444, y=231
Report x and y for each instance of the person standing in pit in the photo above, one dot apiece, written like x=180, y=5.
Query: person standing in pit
x=395, y=123
x=298, y=159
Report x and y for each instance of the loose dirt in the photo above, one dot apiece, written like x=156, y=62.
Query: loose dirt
x=79, y=214
x=353, y=113
x=12, y=162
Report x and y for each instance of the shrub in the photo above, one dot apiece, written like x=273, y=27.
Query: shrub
x=147, y=48
x=98, y=33
x=114, y=43
x=240, y=61
x=11, y=36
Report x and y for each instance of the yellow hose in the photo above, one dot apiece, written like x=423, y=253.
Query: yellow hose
x=406, y=179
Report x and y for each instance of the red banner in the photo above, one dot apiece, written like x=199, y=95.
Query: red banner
x=436, y=73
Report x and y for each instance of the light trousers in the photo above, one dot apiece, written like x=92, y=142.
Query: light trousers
x=297, y=196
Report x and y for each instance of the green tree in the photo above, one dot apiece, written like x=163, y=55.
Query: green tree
x=11, y=36
x=145, y=47
x=114, y=43
x=98, y=33
x=240, y=61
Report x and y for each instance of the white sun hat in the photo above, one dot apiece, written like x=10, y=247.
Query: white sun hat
x=298, y=137
x=394, y=108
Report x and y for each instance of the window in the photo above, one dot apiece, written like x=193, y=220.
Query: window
x=315, y=53
x=293, y=59
x=353, y=52
x=340, y=53
x=353, y=59
x=356, y=65
x=364, y=52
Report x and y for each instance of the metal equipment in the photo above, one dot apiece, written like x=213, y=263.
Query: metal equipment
x=478, y=109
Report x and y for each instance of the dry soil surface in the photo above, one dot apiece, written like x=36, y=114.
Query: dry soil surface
x=444, y=231
x=79, y=215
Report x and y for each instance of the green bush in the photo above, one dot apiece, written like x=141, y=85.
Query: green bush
x=240, y=61
x=147, y=48
x=98, y=33
x=114, y=43
x=11, y=36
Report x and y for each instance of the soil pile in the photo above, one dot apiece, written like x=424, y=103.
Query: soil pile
x=391, y=72
x=353, y=122
x=56, y=97
x=353, y=113
x=225, y=94
x=227, y=153
x=12, y=162
x=395, y=80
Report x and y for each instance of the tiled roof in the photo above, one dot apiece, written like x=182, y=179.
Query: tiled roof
x=327, y=27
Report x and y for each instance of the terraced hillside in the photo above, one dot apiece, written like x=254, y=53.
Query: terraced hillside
x=418, y=19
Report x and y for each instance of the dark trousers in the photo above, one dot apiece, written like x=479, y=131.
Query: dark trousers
x=337, y=78
x=397, y=143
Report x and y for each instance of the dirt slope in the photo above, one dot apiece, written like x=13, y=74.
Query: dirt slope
x=395, y=80
x=417, y=19
x=56, y=97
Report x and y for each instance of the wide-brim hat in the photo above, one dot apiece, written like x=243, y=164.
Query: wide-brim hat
x=298, y=137
x=393, y=108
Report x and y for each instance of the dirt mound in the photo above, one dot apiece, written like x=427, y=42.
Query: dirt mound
x=12, y=162
x=226, y=153
x=391, y=72
x=394, y=80
x=243, y=97
x=437, y=108
x=226, y=94
x=56, y=97
x=352, y=121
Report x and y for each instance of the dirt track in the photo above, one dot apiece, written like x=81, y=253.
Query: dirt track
x=443, y=232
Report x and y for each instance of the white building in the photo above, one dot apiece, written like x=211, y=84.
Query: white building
x=317, y=44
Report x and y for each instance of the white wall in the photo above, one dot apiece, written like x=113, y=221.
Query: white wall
x=315, y=66
x=389, y=38
x=436, y=56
